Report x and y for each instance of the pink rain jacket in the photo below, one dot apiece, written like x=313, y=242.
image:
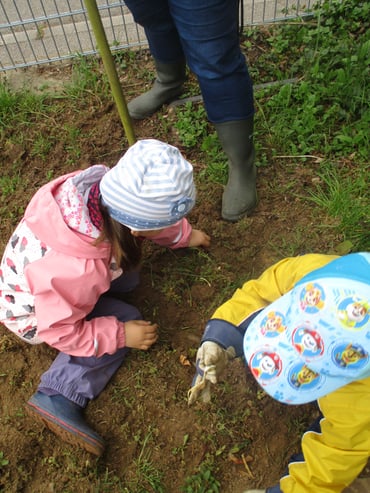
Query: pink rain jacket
x=52, y=275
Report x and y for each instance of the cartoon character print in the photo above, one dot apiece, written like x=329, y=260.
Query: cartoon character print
x=307, y=342
x=302, y=377
x=312, y=298
x=354, y=312
x=350, y=356
x=273, y=324
x=265, y=365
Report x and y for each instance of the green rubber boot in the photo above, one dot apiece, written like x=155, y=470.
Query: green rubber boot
x=240, y=195
x=166, y=87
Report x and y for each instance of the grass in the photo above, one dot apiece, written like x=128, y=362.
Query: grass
x=87, y=78
x=346, y=200
x=327, y=111
x=19, y=107
x=148, y=476
x=3, y=460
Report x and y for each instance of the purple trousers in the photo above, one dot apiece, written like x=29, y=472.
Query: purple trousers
x=81, y=379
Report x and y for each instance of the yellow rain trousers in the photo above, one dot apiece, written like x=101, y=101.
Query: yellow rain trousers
x=337, y=455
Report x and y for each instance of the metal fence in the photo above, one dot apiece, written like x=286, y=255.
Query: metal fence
x=36, y=32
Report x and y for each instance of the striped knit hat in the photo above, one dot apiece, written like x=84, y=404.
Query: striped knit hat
x=151, y=187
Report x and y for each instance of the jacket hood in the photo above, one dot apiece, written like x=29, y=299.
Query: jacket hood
x=43, y=216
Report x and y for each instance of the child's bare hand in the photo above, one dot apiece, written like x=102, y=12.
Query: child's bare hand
x=140, y=334
x=199, y=238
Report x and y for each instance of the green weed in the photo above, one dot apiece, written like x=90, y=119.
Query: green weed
x=41, y=146
x=88, y=79
x=180, y=450
x=193, y=130
x=327, y=110
x=345, y=198
x=203, y=481
x=108, y=482
x=191, y=124
x=216, y=170
x=73, y=136
x=8, y=185
x=19, y=108
x=148, y=478
x=3, y=460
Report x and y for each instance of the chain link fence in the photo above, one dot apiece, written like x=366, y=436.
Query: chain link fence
x=35, y=32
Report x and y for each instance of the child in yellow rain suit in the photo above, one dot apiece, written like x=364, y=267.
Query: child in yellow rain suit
x=303, y=328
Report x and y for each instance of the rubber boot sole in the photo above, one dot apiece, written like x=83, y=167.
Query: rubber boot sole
x=65, y=431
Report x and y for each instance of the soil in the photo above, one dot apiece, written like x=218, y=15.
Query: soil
x=155, y=441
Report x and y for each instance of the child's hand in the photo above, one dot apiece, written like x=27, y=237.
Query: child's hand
x=199, y=238
x=140, y=334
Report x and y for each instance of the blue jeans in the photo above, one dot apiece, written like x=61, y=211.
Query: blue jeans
x=205, y=33
x=81, y=379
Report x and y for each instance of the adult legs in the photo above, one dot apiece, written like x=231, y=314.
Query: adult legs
x=210, y=40
x=206, y=33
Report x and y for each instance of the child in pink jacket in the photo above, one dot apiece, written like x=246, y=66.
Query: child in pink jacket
x=77, y=247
